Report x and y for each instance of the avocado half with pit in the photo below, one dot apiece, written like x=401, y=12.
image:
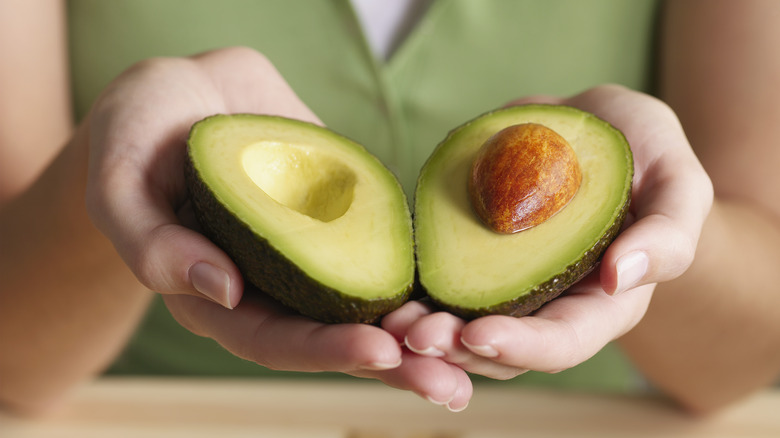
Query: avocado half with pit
x=308, y=216
x=472, y=268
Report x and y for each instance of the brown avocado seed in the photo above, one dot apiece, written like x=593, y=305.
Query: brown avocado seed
x=522, y=176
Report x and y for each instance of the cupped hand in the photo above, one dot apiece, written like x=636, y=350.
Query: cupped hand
x=135, y=190
x=671, y=197
x=137, y=198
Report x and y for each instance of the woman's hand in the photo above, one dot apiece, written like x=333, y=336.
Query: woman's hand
x=136, y=197
x=671, y=197
x=138, y=129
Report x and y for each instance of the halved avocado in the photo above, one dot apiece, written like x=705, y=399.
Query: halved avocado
x=471, y=270
x=309, y=217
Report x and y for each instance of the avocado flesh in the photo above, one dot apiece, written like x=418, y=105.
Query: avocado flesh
x=309, y=217
x=473, y=271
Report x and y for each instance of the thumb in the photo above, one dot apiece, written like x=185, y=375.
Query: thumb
x=671, y=193
x=136, y=134
x=173, y=259
x=651, y=250
x=166, y=256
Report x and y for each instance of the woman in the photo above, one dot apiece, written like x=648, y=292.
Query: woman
x=73, y=293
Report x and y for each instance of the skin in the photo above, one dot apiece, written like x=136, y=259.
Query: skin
x=51, y=338
x=121, y=159
x=26, y=149
x=733, y=284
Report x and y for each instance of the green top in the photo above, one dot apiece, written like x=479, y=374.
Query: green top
x=464, y=58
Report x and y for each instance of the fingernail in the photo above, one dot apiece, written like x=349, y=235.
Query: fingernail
x=482, y=350
x=460, y=409
x=429, y=352
x=211, y=282
x=436, y=402
x=631, y=268
x=380, y=366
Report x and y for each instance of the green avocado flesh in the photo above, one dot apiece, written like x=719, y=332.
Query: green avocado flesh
x=473, y=271
x=309, y=217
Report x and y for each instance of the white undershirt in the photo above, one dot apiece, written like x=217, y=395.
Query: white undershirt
x=384, y=21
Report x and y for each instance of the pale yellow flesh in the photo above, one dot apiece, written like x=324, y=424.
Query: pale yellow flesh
x=302, y=178
x=464, y=263
x=316, y=201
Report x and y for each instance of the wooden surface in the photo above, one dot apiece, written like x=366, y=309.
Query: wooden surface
x=286, y=409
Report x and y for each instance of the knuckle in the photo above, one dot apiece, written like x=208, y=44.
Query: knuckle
x=243, y=54
x=145, y=270
x=248, y=52
x=687, y=254
x=146, y=264
x=683, y=252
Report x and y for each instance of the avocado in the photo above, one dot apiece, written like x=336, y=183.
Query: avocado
x=309, y=217
x=472, y=269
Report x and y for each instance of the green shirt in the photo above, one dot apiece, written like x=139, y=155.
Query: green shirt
x=464, y=57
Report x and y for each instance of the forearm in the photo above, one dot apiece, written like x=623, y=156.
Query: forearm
x=711, y=336
x=35, y=108
x=67, y=302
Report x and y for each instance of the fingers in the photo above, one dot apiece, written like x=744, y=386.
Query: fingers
x=249, y=82
x=398, y=321
x=262, y=331
x=431, y=375
x=176, y=260
x=435, y=380
x=670, y=202
x=564, y=333
x=438, y=335
x=655, y=248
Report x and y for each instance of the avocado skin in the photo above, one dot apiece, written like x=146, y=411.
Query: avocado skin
x=550, y=289
x=271, y=272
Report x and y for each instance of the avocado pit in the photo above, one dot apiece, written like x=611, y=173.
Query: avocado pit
x=522, y=176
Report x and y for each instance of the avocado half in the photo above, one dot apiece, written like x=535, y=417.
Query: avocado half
x=309, y=217
x=472, y=271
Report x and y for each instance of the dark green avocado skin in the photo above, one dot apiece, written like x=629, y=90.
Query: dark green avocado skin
x=550, y=289
x=271, y=272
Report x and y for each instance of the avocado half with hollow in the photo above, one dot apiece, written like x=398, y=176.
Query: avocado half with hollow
x=309, y=217
x=472, y=270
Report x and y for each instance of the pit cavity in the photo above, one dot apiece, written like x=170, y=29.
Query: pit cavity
x=301, y=178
